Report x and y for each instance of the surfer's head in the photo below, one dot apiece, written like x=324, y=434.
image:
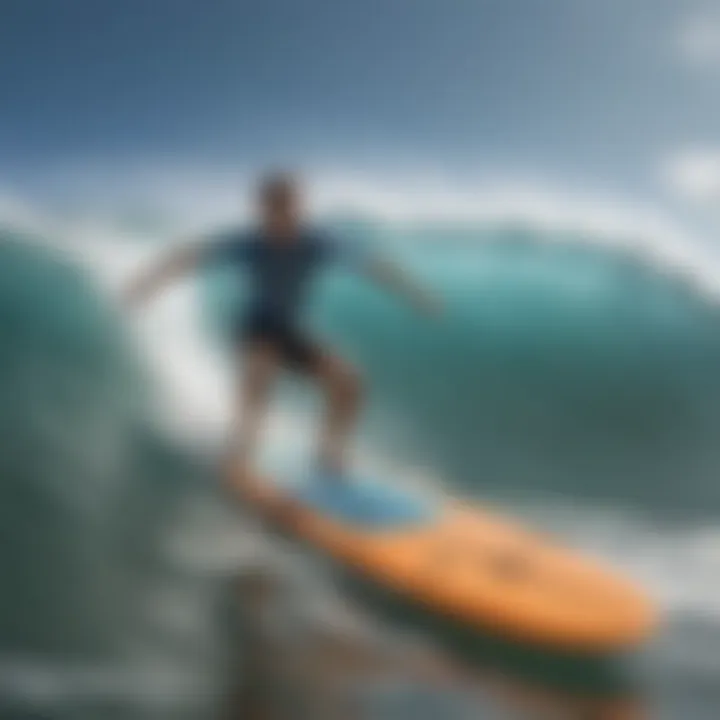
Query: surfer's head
x=279, y=204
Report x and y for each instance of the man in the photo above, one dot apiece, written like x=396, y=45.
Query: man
x=282, y=256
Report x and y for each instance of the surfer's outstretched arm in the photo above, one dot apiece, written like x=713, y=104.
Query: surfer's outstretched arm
x=173, y=265
x=393, y=278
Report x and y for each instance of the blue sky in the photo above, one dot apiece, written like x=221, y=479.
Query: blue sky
x=609, y=94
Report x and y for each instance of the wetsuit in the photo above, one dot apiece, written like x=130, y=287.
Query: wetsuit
x=280, y=273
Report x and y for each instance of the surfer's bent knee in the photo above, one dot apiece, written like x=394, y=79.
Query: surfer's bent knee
x=353, y=385
x=345, y=381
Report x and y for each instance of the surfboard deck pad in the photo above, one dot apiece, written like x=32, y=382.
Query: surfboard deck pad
x=363, y=503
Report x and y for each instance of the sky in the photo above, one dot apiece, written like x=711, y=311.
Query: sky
x=617, y=96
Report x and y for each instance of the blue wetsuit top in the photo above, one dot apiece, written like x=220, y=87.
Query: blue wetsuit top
x=279, y=272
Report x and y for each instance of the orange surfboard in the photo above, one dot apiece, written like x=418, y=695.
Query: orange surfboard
x=462, y=562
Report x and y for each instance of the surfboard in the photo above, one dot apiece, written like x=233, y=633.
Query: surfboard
x=461, y=561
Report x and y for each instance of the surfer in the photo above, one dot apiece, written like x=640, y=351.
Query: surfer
x=282, y=255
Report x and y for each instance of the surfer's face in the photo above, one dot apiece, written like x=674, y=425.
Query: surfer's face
x=280, y=207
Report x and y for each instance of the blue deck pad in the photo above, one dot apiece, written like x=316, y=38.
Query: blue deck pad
x=368, y=504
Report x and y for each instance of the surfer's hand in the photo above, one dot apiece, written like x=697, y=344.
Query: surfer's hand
x=171, y=266
x=393, y=278
x=430, y=306
x=132, y=296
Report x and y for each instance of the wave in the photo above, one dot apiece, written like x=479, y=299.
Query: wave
x=572, y=381
x=563, y=365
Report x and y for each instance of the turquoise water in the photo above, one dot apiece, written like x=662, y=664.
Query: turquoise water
x=571, y=384
x=564, y=367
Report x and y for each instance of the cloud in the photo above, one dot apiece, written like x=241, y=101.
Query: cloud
x=698, y=40
x=693, y=175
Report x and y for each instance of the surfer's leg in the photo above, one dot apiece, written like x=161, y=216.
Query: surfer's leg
x=341, y=385
x=259, y=368
x=343, y=392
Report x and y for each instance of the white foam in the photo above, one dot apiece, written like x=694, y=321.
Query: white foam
x=678, y=564
x=188, y=199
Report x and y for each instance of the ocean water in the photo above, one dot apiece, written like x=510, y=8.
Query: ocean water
x=573, y=382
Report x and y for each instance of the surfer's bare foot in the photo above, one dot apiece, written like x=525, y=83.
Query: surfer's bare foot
x=237, y=471
x=244, y=473
x=343, y=391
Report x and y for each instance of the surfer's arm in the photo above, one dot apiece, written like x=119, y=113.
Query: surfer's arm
x=171, y=266
x=183, y=260
x=394, y=279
